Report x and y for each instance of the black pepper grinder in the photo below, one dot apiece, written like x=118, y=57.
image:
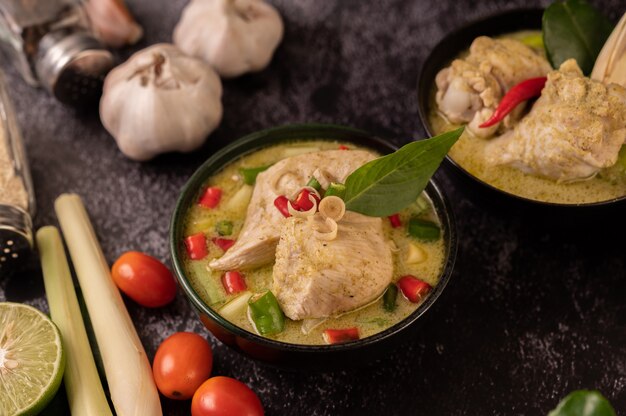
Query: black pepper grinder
x=17, y=201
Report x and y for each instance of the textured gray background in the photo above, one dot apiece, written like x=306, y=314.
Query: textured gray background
x=530, y=313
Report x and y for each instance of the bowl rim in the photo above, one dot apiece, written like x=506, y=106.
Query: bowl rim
x=423, y=107
x=238, y=148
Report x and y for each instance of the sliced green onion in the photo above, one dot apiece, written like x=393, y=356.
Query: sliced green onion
x=389, y=298
x=224, y=227
x=424, y=230
x=82, y=382
x=249, y=174
x=336, y=189
x=313, y=183
x=265, y=313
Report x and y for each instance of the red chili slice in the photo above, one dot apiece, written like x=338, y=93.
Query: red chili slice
x=223, y=243
x=303, y=202
x=196, y=246
x=233, y=282
x=211, y=197
x=343, y=147
x=413, y=288
x=395, y=220
x=523, y=91
x=281, y=203
x=339, y=336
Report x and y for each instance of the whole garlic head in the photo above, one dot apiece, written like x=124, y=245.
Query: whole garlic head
x=161, y=100
x=234, y=36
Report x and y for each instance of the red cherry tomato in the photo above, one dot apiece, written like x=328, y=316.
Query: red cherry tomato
x=144, y=279
x=181, y=364
x=225, y=396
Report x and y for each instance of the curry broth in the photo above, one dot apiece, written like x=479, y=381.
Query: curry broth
x=469, y=151
x=370, y=319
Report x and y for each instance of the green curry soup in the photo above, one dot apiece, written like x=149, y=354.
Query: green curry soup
x=370, y=319
x=469, y=153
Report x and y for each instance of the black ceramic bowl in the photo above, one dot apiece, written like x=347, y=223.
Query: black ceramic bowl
x=477, y=190
x=290, y=355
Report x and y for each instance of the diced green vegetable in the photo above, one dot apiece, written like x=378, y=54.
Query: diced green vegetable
x=82, y=383
x=389, y=298
x=422, y=203
x=534, y=41
x=313, y=183
x=214, y=291
x=583, y=403
x=240, y=199
x=336, y=189
x=266, y=314
x=249, y=174
x=224, y=227
x=424, y=230
x=235, y=306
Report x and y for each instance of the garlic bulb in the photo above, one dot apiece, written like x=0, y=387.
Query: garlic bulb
x=610, y=65
x=113, y=23
x=161, y=100
x=234, y=36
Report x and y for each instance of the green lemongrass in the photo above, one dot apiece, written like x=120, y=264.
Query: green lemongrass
x=126, y=365
x=82, y=383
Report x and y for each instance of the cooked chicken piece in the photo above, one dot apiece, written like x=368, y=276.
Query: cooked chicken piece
x=315, y=278
x=469, y=90
x=575, y=128
x=256, y=244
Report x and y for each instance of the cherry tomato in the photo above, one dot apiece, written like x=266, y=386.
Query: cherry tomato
x=225, y=396
x=181, y=364
x=144, y=279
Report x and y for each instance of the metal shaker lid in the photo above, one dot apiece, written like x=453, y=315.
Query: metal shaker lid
x=16, y=238
x=72, y=65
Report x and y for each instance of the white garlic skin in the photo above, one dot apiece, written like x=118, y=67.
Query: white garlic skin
x=234, y=36
x=161, y=100
x=113, y=23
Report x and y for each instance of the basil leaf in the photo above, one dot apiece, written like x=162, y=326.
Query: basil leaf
x=583, y=403
x=388, y=184
x=574, y=29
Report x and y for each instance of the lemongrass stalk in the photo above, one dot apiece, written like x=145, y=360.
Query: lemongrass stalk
x=126, y=365
x=82, y=383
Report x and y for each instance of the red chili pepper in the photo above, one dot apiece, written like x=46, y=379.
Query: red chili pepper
x=343, y=147
x=196, y=246
x=413, y=288
x=395, y=220
x=338, y=336
x=302, y=202
x=233, y=282
x=211, y=197
x=281, y=203
x=223, y=243
x=523, y=91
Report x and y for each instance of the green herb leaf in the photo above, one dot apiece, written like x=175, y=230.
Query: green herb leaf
x=583, y=403
x=574, y=29
x=388, y=184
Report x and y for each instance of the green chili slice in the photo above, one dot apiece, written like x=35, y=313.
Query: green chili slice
x=424, y=230
x=224, y=227
x=336, y=189
x=266, y=314
x=389, y=298
x=249, y=174
x=314, y=184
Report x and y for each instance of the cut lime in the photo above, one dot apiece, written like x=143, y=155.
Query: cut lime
x=31, y=360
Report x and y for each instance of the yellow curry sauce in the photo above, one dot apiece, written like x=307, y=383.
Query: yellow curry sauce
x=469, y=153
x=370, y=319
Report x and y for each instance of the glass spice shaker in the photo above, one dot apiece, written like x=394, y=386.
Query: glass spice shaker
x=51, y=44
x=17, y=201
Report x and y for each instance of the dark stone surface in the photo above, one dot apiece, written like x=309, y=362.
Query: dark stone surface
x=530, y=313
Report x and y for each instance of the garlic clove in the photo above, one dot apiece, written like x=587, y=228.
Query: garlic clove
x=113, y=23
x=234, y=36
x=160, y=100
x=610, y=66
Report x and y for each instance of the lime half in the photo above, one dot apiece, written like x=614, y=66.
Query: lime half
x=31, y=360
